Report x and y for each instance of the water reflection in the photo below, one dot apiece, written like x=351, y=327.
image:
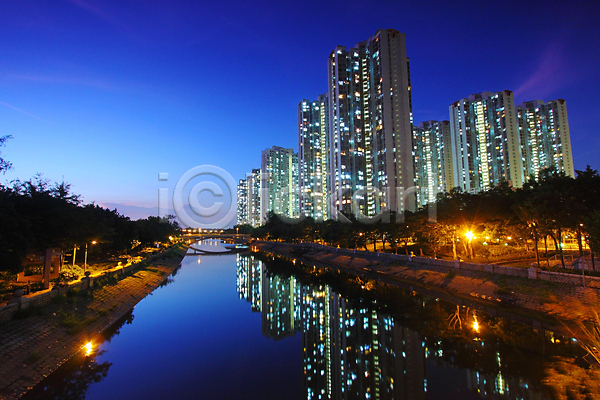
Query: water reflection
x=363, y=348
x=329, y=338
x=73, y=379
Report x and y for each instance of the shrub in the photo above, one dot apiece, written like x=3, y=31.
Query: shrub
x=69, y=273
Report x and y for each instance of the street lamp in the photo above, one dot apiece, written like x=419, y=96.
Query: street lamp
x=85, y=261
x=470, y=236
x=74, y=253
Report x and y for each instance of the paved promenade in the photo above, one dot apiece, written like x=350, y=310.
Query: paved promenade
x=32, y=347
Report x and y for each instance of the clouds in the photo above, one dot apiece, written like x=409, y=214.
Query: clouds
x=551, y=74
x=21, y=111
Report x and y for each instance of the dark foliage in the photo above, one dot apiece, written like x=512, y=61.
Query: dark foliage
x=35, y=215
x=546, y=208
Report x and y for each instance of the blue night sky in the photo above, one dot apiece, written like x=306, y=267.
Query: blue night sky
x=107, y=94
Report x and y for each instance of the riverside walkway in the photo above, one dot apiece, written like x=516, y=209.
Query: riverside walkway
x=33, y=347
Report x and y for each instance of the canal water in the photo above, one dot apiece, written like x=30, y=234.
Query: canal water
x=248, y=326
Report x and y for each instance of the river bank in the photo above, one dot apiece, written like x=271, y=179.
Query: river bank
x=547, y=301
x=41, y=339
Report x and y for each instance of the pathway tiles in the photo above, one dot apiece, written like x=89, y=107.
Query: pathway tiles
x=33, y=347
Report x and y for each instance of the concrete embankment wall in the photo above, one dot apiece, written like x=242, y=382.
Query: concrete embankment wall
x=425, y=262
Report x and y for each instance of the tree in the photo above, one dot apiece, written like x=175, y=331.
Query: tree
x=4, y=165
x=593, y=228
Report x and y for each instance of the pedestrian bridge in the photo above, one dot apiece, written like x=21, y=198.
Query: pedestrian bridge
x=200, y=236
x=235, y=243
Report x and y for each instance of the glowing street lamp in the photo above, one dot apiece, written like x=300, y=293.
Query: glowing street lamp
x=475, y=324
x=470, y=236
x=85, y=261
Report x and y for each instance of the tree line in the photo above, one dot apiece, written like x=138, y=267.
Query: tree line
x=35, y=215
x=539, y=214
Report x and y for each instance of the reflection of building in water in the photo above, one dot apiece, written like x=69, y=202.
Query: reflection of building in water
x=379, y=359
x=351, y=350
x=490, y=386
x=280, y=306
x=249, y=280
x=242, y=272
x=317, y=342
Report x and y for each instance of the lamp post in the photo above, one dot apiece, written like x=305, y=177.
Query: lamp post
x=74, y=254
x=85, y=258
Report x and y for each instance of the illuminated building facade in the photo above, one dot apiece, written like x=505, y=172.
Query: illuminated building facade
x=254, y=192
x=279, y=183
x=370, y=126
x=248, y=199
x=433, y=160
x=242, y=203
x=545, y=137
x=313, y=157
x=486, y=146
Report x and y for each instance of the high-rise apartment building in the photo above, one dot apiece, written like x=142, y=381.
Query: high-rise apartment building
x=279, y=183
x=254, y=192
x=545, y=137
x=242, y=203
x=248, y=199
x=313, y=157
x=486, y=146
x=433, y=160
x=370, y=126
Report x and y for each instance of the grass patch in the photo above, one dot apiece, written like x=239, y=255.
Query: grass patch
x=450, y=274
x=503, y=287
x=33, y=356
x=69, y=321
x=502, y=291
x=76, y=324
x=547, y=296
x=100, y=312
x=154, y=270
x=73, y=292
x=105, y=280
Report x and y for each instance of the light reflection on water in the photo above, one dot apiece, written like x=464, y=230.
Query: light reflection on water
x=292, y=336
